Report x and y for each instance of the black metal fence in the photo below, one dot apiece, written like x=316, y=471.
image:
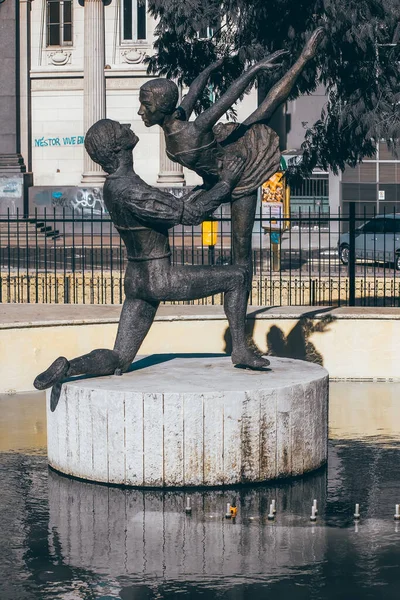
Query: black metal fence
x=319, y=259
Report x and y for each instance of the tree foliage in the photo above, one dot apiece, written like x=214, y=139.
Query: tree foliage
x=358, y=62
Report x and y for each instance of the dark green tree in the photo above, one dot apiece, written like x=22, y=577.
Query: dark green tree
x=358, y=62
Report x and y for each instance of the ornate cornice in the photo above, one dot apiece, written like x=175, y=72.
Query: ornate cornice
x=82, y=2
x=133, y=56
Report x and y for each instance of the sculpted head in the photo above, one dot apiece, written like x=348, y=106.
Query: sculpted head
x=158, y=98
x=106, y=140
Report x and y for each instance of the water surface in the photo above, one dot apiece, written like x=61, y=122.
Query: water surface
x=67, y=539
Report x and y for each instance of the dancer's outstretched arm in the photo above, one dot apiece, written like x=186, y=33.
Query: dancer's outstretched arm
x=197, y=86
x=281, y=90
x=159, y=208
x=199, y=205
x=207, y=119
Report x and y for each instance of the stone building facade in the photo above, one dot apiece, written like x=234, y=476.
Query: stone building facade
x=106, y=44
x=76, y=61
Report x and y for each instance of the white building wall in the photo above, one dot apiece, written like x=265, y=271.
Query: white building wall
x=304, y=111
x=57, y=103
x=57, y=132
x=57, y=98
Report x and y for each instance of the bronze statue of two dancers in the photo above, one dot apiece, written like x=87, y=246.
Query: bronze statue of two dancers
x=233, y=160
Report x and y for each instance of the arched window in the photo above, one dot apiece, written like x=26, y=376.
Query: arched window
x=134, y=16
x=59, y=22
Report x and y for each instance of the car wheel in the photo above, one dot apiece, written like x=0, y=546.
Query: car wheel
x=344, y=254
x=397, y=262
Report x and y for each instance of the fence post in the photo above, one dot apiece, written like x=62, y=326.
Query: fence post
x=352, y=254
x=313, y=292
x=67, y=293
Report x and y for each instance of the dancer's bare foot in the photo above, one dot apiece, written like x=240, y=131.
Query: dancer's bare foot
x=248, y=359
x=54, y=374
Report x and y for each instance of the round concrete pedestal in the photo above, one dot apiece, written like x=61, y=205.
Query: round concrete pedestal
x=192, y=422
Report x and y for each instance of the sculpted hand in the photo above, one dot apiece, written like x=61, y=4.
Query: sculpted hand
x=268, y=62
x=232, y=170
x=311, y=46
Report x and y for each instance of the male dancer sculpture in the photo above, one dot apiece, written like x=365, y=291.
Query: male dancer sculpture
x=142, y=215
x=201, y=145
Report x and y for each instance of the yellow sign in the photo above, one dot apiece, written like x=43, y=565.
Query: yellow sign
x=209, y=233
x=275, y=202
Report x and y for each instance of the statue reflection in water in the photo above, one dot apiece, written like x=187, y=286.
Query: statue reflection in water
x=147, y=536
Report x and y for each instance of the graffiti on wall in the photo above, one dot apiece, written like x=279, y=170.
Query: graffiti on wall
x=10, y=187
x=75, y=140
x=86, y=202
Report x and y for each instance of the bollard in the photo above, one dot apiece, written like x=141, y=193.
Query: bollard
x=188, y=508
x=313, y=514
x=274, y=506
x=397, y=513
x=357, y=512
x=315, y=505
x=271, y=515
x=228, y=514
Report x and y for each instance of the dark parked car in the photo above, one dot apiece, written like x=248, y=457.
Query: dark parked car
x=378, y=240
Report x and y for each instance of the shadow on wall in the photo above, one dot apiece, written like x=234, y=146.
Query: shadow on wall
x=296, y=344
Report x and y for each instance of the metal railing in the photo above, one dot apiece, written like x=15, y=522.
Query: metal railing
x=320, y=259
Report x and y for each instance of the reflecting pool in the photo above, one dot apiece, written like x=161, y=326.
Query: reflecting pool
x=67, y=539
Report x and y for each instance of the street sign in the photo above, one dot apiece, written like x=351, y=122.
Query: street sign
x=275, y=198
x=272, y=212
x=209, y=233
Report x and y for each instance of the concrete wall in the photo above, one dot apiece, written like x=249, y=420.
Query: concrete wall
x=357, y=343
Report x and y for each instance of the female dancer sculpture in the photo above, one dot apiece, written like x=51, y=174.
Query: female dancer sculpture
x=201, y=145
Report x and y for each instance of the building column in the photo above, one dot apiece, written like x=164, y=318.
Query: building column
x=94, y=107
x=25, y=94
x=14, y=180
x=335, y=196
x=171, y=173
